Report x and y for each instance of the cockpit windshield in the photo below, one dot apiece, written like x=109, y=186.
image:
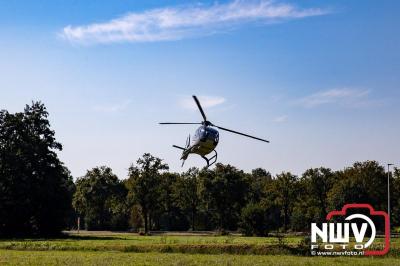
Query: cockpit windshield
x=210, y=134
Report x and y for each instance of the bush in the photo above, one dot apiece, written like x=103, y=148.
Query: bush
x=253, y=220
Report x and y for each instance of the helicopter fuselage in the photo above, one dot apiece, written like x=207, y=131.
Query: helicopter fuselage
x=204, y=141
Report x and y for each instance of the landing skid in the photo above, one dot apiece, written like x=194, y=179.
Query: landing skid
x=213, y=159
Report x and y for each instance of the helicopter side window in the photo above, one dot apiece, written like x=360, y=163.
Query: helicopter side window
x=197, y=134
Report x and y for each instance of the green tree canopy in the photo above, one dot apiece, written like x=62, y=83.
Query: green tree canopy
x=259, y=180
x=224, y=190
x=286, y=186
x=144, y=185
x=312, y=201
x=364, y=182
x=187, y=194
x=35, y=187
x=101, y=199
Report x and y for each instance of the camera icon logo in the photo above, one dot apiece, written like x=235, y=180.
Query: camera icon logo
x=335, y=237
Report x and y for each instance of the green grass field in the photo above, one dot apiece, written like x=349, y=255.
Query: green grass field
x=106, y=248
x=12, y=257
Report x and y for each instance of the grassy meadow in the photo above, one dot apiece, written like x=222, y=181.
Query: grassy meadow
x=13, y=257
x=108, y=248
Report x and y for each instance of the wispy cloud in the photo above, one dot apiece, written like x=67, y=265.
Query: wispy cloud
x=173, y=23
x=112, y=108
x=205, y=101
x=342, y=96
x=280, y=119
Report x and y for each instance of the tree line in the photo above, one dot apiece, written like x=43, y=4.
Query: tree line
x=39, y=197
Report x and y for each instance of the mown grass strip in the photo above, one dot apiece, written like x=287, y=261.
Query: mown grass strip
x=241, y=249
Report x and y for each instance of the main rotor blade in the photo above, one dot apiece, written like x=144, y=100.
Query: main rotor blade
x=173, y=123
x=201, y=109
x=240, y=133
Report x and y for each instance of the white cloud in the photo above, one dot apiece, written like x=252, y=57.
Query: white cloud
x=280, y=119
x=175, y=23
x=343, y=96
x=205, y=101
x=112, y=108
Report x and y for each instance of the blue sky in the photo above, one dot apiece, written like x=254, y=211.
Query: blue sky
x=319, y=79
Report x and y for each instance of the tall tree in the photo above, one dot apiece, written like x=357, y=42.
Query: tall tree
x=144, y=185
x=187, y=194
x=312, y=203
x=286, y=190
x=259, y=180
x=225, y=190
x=364, y=182
x=35, y=187
x=100, y=199
x=170, y=215
x=318, y=182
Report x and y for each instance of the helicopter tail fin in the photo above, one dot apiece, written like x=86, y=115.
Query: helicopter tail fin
x=188, y=142
x=185, y=150
x=181, y=148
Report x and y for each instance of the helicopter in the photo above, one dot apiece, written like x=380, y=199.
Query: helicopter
x=205, y=138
